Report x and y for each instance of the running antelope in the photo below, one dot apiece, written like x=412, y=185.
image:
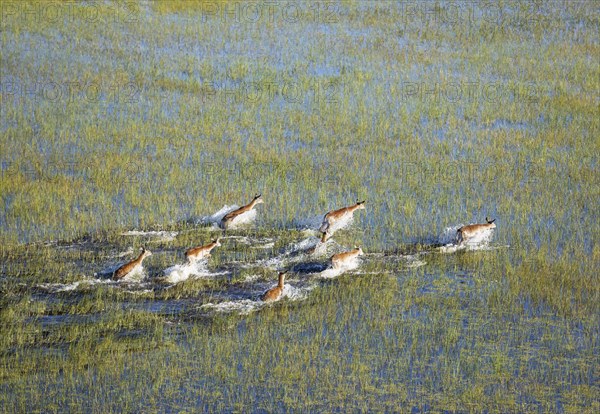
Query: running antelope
x=276, y=292
x=343, y=259
x=468, y=232
x=230, y=217
x=128, y=267
x=336, y=216
x=197, y=253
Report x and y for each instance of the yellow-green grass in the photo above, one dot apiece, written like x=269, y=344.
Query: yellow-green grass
x=149, y=116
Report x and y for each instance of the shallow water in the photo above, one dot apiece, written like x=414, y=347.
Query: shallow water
x=306, y=258
x=436, y=120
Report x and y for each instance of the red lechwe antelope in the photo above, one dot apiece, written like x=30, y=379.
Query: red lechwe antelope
x=230, y=217
x=344, y=259
x=472, y=230
x=128, y=267
x=197, y=253
x=276, y=292
x=336, y=216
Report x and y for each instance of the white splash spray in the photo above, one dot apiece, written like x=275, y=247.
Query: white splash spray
x=181, y=272
x=332, y=272
x=448, y=240
x=345, y=221
x=247, y=306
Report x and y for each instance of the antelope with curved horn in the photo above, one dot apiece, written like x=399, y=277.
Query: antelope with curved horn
x=230, y=217
x=468, y=232
x=275, y=292
x=344, y=259
x=128, y=267
x=335, y=216
x=197, y=253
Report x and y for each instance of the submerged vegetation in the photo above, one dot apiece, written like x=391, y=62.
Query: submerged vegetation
x=127, y=124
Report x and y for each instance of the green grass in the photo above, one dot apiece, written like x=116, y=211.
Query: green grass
x=152, y=115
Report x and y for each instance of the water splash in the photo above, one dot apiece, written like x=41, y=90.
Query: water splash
x=247, y=306
x=182, y=272
x=331, y=272
x=137, y=274
x=215, y=218
x=70, y=287
x=243, y=220
x=448, y=236
x=59, y=287
x=297, y=293
x=480, y=241
x=345, y=221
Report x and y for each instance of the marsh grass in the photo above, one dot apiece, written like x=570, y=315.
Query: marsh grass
x=176, y=113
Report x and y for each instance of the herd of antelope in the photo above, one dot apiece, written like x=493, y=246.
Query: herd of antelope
x=330, y=222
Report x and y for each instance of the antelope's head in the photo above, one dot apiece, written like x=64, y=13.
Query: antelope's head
x=258, y=199
x=491, y=223
x=360, y=204
x=217, y=242
x=282, y=277
x=360, y=250
x=146, y=253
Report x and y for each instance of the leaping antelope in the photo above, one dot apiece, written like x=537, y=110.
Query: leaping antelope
x=468, y=232
x=336, y=216
x=197, y=253
x=343, y=259
x=230, y=217
x=128, y=267
x=276, y=292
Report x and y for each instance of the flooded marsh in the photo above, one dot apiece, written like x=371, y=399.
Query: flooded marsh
x=129, y=125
